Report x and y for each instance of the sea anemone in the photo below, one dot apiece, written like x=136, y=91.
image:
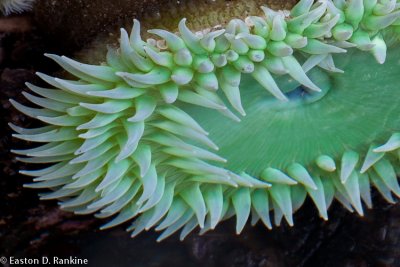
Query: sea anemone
x=189, y=129
x=8, y=7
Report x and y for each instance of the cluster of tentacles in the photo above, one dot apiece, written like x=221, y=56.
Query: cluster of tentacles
x=8, y=7
x=121, y=144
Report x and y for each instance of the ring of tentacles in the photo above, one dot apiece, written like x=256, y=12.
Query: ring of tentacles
x=189, y=129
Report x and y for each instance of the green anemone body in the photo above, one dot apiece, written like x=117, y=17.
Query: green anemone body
x=192, y=129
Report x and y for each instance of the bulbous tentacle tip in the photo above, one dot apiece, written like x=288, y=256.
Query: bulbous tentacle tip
x=299, y=173
x=296, y=71
x=174, y=42
x=349, y=162
x=277, y=176
x=371, y=158
x=392, y=144
x=263, y=76
x=373, y=22
x=379, y=49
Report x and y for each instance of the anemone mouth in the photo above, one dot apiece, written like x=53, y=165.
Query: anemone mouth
x=190, y=130
x=354, y=109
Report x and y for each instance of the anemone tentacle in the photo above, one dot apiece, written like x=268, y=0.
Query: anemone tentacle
x=8, y=7
x=124, y=144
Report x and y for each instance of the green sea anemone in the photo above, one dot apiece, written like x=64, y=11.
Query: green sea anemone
x=190, y=129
